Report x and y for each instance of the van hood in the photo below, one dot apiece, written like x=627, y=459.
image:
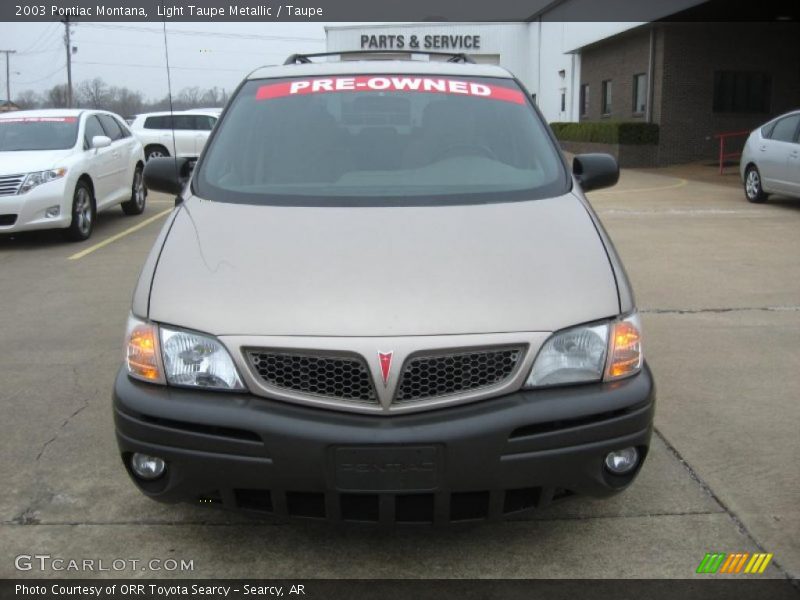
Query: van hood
x=29, y=161
x=236, y=269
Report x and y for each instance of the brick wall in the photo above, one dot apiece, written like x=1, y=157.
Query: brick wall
x=692, y=52
x=617, y=59
x=686, y=57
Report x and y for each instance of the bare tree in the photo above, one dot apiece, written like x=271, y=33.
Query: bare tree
x=28, y=99
x=189, y=97
x=56, y=96
x=93, y=94
x=213, y=97
x=125, y=102
x=97, y=94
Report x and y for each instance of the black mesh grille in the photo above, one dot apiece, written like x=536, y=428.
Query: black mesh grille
x=338, y=377
x=426, y=377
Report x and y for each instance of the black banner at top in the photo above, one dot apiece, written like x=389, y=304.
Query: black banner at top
x=406, y=10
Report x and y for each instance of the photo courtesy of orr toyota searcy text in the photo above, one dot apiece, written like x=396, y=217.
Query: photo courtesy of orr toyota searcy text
x=153, y=590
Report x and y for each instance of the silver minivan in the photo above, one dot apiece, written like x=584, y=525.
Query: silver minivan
x=382, y=296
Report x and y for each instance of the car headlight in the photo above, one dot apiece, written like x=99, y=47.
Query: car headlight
x=193, y=359
x=181, y=358
x=583, y=354
x=40, y=177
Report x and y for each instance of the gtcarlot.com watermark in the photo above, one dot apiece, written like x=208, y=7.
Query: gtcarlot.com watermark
x=48, y=563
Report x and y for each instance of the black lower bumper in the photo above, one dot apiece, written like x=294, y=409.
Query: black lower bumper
x=491, y=459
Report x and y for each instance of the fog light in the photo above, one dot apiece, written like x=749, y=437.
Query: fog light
x=622, y=461
x=147, y=467
x=53, y=211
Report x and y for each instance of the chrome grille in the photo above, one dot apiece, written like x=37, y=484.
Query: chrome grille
x=10, y=184
x=425, y=377
x=334, y=376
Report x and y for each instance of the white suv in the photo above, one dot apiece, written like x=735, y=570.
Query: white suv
x=179, y=133
x=59, y=167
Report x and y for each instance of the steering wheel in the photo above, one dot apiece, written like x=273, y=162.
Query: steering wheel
x=472, y=150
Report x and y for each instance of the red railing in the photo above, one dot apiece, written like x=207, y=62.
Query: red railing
x=723, y=156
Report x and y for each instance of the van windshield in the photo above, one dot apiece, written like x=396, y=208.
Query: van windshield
x=380, y=139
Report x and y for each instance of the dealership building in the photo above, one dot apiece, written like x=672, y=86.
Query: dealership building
x=694, y=79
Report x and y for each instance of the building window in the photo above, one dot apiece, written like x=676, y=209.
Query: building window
x=563, y=100
x=584, y=99
x=742, y=91
x=639, y=93
x=607, y=97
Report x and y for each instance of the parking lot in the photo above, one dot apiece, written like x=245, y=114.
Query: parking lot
x=717, y=280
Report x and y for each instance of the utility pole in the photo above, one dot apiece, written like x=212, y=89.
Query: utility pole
x=69, y=61
x=8, y=54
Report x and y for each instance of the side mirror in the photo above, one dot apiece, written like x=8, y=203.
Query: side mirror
x=101, y=141
x=167, y=174
x=595, y=171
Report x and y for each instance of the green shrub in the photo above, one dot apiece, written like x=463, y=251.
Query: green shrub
x=607, y=132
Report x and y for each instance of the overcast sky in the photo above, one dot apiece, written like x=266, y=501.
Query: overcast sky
x=132, y=54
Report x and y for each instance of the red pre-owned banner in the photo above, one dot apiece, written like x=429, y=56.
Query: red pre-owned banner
x=387, y=83
x=38, y=120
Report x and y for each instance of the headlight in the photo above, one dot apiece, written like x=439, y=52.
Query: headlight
x=40, y=177
x=141, y=351
x=625, y=356
x=192, y=359
x=589, y=353
x=183, y=358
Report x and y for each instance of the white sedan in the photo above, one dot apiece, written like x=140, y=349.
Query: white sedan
x=58, y=168
x=770, y=161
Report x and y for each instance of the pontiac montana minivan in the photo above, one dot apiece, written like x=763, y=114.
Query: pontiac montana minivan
x=382, y=296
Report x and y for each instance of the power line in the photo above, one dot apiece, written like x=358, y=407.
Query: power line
x=47, y=33
x=48, y=76
x=187, y=48
x=48, y=51
x=83, y=62
x=217, y=34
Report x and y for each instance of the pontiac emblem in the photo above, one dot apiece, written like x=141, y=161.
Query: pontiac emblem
x=385, y=359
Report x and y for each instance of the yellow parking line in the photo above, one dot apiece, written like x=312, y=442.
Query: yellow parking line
x=120, y=235
x=682, y=182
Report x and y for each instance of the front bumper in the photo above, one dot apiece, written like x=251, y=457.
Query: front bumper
x=496, y=458
x=27, y=211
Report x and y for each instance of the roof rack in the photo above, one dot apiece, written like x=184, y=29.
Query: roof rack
x=454, y=57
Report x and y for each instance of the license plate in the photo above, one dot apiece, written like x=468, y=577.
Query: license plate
x=386, y=468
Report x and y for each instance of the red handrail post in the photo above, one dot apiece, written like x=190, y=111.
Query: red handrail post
x=722, y=154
